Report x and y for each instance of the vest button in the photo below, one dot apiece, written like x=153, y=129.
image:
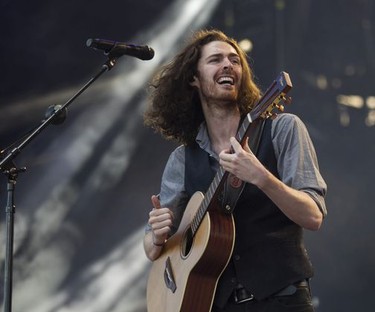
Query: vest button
x=233, y=280
x=237, y=257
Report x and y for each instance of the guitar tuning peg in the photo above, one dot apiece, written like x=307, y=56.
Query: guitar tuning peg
x=280, y=107
x=287, y=100
x=269, y=114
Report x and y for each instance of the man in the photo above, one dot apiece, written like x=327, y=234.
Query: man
x=199, y=99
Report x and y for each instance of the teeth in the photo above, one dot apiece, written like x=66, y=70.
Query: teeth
x=225, y=80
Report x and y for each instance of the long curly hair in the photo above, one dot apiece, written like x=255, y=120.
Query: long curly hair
x=174, y=109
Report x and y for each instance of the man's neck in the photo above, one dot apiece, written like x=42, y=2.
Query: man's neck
x=222, y=123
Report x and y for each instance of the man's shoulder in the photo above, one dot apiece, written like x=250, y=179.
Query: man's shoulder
x=287, y=121
x=178, y=154
x=286, y=118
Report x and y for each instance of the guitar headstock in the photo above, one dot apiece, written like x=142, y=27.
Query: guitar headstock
x=271, y=100
x=273, y=97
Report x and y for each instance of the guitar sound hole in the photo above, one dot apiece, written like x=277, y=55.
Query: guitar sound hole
x=187, y=243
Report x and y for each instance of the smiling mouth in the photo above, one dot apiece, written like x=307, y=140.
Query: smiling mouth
x=226, y=80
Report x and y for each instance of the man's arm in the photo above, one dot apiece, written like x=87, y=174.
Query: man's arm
x=296, y=205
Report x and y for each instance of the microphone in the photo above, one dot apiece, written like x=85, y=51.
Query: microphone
x=120, y=48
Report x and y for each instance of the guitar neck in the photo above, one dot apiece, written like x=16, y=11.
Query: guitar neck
x=212, y=192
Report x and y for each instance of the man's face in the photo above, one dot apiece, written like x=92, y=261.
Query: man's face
x=219, y=73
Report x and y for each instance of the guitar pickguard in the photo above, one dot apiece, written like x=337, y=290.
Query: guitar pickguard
x=168, y=276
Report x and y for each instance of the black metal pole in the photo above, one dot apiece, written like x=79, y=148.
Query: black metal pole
x=7, y=167
x=9, y=210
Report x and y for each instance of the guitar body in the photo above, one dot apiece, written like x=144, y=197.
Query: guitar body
x=185, y=276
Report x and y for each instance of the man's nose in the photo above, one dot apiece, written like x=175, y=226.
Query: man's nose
x=227, y=63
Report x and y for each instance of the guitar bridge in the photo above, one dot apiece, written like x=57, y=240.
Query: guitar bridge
x=168, y=276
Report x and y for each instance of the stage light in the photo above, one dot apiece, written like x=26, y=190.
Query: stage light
x=370, y=102
x=355, y=101
x=246, y=45
x=321, y=82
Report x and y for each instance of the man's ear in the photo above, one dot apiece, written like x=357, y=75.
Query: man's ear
x=194, y=82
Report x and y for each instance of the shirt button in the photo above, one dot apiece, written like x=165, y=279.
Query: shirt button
x=237, y=257
x=233, y=280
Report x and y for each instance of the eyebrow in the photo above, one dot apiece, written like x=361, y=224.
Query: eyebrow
x=232, y=54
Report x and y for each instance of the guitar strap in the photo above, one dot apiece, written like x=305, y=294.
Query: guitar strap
x=233, y=186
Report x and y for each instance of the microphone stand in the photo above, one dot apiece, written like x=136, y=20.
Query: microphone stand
x=55, y=115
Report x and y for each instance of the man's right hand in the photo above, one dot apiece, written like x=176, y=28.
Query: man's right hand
x=160, y=220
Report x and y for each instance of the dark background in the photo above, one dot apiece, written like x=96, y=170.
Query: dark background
x=82, y=204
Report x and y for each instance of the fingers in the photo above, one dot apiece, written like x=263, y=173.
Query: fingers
x=160, y=220
x=246, y=146
x=157, y=213
x=239, y=160
x=155, y=201
x=235, y=144
x=238, y=148
x=227, y=156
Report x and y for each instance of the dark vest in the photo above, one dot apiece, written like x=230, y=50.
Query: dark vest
x=269, y=253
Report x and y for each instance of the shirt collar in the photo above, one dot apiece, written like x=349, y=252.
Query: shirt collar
x=203, y=140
